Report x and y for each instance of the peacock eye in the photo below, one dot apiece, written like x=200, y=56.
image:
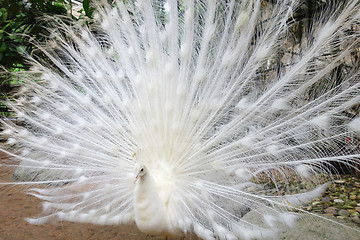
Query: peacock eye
x=141, y=170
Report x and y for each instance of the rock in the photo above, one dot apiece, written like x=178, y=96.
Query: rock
x=344, y=213
x=339, y=181
x=357, y=209
x=338, y=201
x=353, y=203
x=356, y=219
x=347, y=207
x=353, y=197
x=308, y=227
x=315, y=203
x=343, y=196
x=326, y=199
x=330, y=210
x=354, y=214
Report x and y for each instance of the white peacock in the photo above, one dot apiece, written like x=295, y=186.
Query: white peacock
x=196, y=93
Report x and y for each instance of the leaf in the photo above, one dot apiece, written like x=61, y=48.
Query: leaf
x=56, y=8
x=3, y=47
x=21, y=49
x=3, y=15
x=87, y=8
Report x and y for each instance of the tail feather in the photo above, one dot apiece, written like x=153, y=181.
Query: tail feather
x=206, y=94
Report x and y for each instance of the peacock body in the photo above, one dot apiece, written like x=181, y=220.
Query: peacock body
x=169, y=119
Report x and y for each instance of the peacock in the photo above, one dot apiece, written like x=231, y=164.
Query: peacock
x=187, y=116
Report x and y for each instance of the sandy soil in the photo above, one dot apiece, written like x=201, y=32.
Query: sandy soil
x=15, y=205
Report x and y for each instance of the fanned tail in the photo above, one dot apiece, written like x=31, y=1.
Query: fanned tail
x=207, y=95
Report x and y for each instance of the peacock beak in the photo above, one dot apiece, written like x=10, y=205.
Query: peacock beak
x=137, y=177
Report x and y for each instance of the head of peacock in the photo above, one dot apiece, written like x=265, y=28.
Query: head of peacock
x=140, y=171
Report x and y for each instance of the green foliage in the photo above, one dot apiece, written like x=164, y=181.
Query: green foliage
x=87, y=8
x=19, y=20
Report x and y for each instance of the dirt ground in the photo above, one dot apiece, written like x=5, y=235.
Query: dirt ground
x=15, y=206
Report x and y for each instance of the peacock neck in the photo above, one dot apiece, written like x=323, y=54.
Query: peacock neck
x=150, y=212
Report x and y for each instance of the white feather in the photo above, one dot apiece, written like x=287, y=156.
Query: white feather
x=197, y=98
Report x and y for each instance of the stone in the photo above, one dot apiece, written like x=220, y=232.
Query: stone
x=344, y=213
x=356, y=219
x=330, y=210
x=338, y=201
x=353, y=197
x=353, y=203
x=354, y=214
x=347, y=207
x=308, y=208
x=343, y=196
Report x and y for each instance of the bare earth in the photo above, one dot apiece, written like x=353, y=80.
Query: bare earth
x=15, y=205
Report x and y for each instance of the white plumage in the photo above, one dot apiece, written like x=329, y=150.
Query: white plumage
x=171, y=119
x=151, y=205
